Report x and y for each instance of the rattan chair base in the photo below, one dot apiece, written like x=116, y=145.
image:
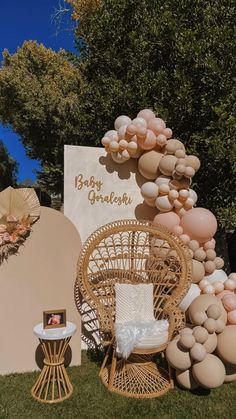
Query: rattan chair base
x=143, y=379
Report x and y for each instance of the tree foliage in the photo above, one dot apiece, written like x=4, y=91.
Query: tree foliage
x=177, y=58
x=39, y=95
x=8, y=168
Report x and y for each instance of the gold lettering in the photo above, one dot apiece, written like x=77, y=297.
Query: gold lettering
x=93, y=183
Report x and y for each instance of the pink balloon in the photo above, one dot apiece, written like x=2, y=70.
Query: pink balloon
x=232, y=317
x=200, y=224
x=168, y=219
x=229, y=302
x=149, y=142
x=146, y=114
x=223, y=293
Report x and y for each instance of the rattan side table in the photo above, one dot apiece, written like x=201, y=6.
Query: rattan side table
x=53, y=384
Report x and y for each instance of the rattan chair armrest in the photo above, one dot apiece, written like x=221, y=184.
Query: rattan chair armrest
x=176, y=318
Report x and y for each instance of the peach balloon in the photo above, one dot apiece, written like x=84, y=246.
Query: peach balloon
x=177, y=230
x=149, y=142
x=230, y=285
x=185, y=238
x=167, y=132
x=209, y=244
x=223, y=293
x=200, y=224
x=139, y=121
x=146, y=114
x=155, y=126
x=168, y=219
x=218, y=287
x=232, y=317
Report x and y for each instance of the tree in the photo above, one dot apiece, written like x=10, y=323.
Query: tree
x=39, y=96
x=177, y=58
x=8, y=168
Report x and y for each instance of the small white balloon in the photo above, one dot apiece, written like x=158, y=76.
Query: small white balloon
x=193, y=292
x=193, y=195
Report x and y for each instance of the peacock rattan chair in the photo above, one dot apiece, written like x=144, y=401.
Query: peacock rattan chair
x=134, y=252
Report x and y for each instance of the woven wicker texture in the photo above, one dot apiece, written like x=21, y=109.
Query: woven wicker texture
x=132, y=252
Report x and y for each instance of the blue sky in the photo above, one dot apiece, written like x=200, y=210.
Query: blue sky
x=22, y=20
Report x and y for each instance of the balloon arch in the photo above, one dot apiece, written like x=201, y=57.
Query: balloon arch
x=203, y=354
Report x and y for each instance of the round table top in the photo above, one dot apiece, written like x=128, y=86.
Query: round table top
x=55, y=333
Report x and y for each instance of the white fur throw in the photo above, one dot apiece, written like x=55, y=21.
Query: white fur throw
x=135, y=324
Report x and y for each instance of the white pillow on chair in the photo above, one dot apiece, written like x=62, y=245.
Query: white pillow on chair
x=134, y=303
x=135, y=323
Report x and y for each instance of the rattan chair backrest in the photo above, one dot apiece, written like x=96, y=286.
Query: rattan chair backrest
x=131, y=251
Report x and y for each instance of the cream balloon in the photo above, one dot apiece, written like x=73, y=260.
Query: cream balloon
x=163, y=203
x=167, y=164
x=149, y=190
x=122, y=120
x=193, y=195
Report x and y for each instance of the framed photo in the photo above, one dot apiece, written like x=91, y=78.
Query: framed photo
x=54, y=318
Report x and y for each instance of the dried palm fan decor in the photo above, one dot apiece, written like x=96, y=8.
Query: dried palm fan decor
x=19, y=209
x=134, y=252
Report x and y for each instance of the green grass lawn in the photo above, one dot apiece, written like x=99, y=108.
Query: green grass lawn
x=92, y=400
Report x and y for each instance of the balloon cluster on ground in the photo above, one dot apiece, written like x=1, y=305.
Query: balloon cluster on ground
x=202, y=354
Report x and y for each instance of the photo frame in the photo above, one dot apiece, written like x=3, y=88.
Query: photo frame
x=54, y=318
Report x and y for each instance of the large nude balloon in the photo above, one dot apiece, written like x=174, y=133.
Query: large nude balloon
x=201, y=304
x=178, y=357
x=226, y=346
x=209, y=373
x=148, y=164
x=186, y=379
x=200, y=224
x=167, y=164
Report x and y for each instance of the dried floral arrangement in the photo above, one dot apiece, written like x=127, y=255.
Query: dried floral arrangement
x=19, y=209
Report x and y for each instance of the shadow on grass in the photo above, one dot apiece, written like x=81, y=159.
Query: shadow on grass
x=96, y=355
